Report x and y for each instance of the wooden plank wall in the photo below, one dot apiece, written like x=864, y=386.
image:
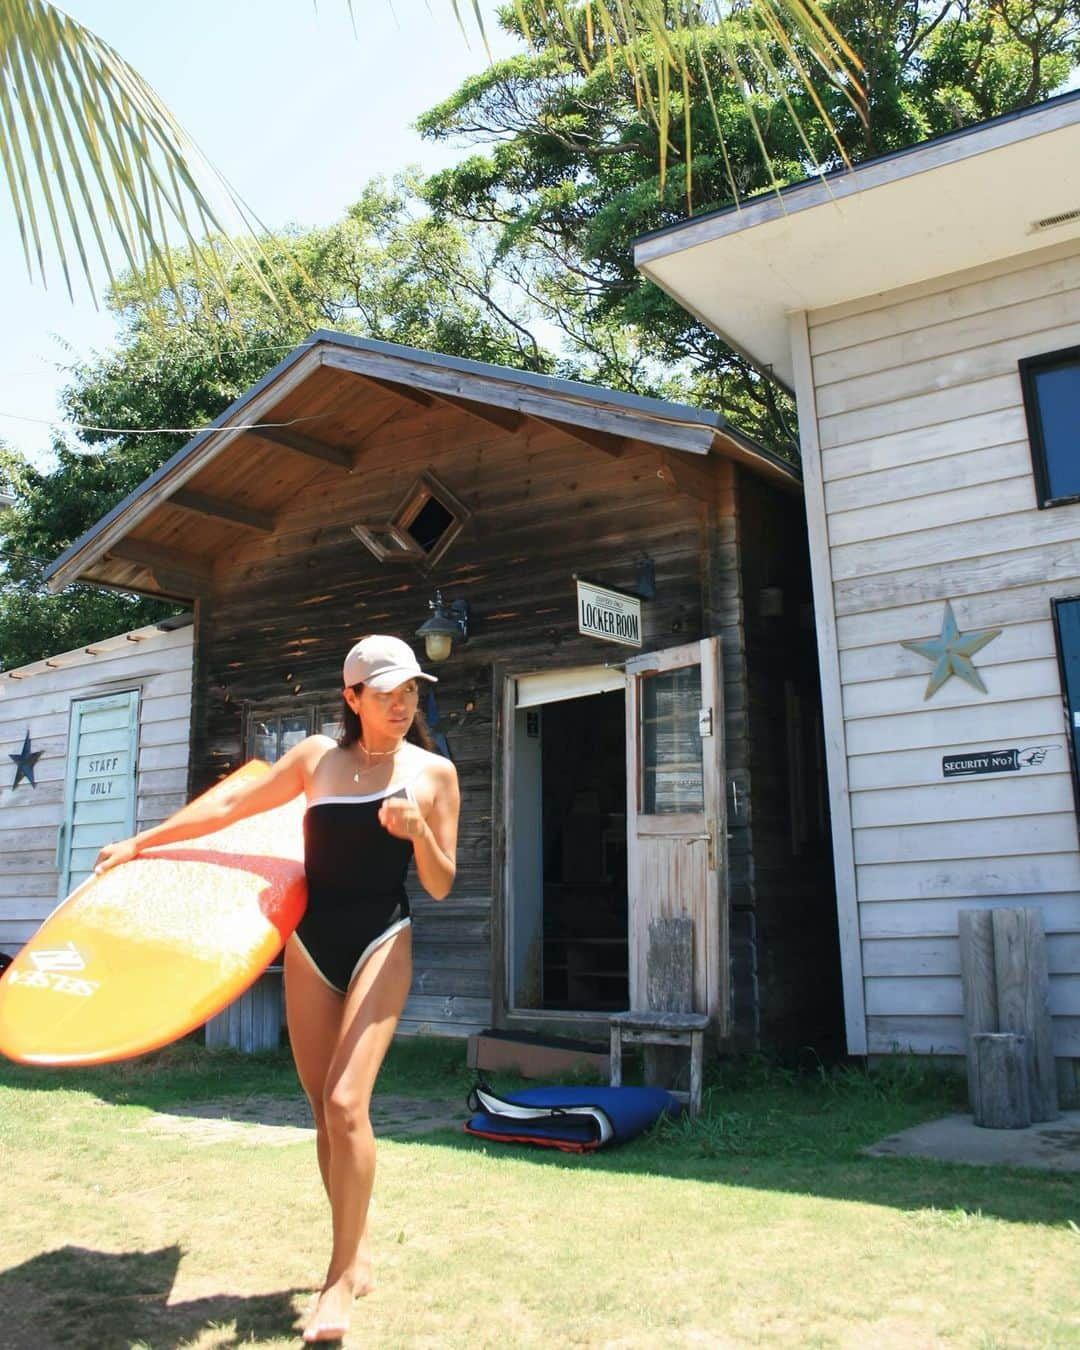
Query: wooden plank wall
x=286, y=609
x=930, y=496
x=782, y=885
x=38, y=699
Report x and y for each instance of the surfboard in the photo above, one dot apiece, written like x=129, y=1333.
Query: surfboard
x=150, y=950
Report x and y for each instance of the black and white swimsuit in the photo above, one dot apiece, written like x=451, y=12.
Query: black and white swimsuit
x=356, y=884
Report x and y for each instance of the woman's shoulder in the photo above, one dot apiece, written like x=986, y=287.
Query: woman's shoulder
x=428, y=762
x=312, y=749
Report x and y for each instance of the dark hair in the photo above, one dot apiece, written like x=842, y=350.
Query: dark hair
x=352, y=731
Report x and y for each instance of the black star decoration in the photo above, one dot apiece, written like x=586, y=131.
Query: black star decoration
x=25, y=761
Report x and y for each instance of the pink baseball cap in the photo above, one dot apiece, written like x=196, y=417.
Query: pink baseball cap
x=382, y=663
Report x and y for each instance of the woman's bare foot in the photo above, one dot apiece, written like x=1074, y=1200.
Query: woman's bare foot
x=363, y=1274
x=330, y=1320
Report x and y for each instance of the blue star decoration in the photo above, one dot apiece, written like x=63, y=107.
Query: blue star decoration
x=25, y=761
x=951, y=653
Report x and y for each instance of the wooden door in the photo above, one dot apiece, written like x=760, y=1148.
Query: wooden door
x=676, y=825
x=100, y=791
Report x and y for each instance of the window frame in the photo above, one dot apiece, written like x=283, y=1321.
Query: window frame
x=407, y=549
x=318, y=714
x=1029, y=367
x=1072, y=732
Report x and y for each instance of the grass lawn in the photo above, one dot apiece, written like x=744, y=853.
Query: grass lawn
x=760, y=1225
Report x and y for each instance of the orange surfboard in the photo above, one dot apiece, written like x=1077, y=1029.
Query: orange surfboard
x=151, y=949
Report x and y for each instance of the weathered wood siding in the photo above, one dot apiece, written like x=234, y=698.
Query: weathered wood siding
x=37, y=699
x=929, y=496
x=782, y=896
x=284, y=609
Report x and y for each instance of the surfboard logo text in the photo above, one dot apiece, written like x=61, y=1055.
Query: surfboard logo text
x=47, y=979
x=59, y=958
x=57, y=969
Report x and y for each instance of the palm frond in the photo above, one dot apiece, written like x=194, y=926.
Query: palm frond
x=98, y=168
x=798, y=30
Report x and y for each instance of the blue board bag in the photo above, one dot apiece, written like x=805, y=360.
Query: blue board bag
x=574, y=1119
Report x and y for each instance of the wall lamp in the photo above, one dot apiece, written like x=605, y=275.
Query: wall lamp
x=449, y=623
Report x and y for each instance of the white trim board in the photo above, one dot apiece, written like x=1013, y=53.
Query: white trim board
x=847, y=907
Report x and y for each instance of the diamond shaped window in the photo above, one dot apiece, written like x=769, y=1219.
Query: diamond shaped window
x=421, y=530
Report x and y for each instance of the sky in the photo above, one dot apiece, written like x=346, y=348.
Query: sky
x=290, y=102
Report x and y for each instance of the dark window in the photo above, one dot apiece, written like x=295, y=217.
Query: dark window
x=430, y=524
x=1067, y=622
x=1051, y=387
x=272, y=731
x=421, y=530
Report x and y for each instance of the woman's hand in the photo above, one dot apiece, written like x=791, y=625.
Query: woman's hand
x=429, y=822
x=402, y=818
x=113, y=854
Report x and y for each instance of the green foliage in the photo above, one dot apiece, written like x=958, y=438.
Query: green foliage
x=531, y=233
x=570, y=166
x=389, y=270
x=33, y=623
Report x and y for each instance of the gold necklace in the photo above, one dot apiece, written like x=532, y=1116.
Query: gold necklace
x=374, y=754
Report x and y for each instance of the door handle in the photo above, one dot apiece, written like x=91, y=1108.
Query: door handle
x=61, y=836
x=709, y=839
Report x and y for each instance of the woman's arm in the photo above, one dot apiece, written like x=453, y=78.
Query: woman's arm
x=285, y=780
x=432, y=828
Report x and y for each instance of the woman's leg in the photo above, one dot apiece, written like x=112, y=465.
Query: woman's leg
x=367, y=1022
x=313, y=1012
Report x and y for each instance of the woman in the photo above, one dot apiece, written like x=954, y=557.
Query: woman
x=375, y=799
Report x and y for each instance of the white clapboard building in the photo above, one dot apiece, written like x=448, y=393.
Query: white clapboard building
x=925, y=310
x=94, y=744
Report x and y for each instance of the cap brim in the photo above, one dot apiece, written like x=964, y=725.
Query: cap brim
x=390, y=679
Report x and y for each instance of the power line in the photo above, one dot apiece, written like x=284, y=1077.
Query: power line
x=62, y=425
x=161, y=431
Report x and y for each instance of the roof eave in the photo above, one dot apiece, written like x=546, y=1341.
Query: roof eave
x=191, y=457
x=825, y=187
x=668, y=425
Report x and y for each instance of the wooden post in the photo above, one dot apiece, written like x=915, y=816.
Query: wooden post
x=615, y=1057
x=669, y=987
x=1002, y=1101
x=1023, y=1000
x=669, y=965
x=979, y=984
x=697, y=1048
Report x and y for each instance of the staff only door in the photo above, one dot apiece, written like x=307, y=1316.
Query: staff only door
x=100, y=788
x=614, y=816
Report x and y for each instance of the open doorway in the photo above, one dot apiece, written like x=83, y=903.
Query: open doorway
x=568, y=923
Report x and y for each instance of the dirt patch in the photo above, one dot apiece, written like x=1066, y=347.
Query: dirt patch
x=287, y=1120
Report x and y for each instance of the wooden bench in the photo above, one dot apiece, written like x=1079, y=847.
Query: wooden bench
x=669, y=1019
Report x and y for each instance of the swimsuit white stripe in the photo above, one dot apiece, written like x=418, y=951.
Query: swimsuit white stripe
x=376, y=943
x=370, y=797
x=372, y=946
x=312, y=963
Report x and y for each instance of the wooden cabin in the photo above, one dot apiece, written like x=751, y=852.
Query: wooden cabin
x=925, y=310
x=633, y=711
x=94, y=743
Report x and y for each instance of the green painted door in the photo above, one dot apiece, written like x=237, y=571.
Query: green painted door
x=100, y=793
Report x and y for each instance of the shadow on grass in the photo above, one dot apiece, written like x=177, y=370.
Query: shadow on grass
x=771, y=1130
x=87, y=1300
x=797, y=1129
x=187, y=1072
